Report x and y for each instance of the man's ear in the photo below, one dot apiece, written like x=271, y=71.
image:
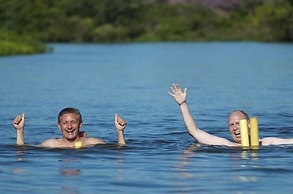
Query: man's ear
x=80, y=125
x=58, y=124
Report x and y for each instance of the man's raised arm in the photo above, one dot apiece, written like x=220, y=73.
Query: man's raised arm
x=18, y=124
x=193, y=130
x=120, y=125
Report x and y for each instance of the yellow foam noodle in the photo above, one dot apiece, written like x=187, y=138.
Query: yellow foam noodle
x=244, y=133
x=78, y=145
x=254, y=139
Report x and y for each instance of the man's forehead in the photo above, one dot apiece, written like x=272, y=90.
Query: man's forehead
x=69, y=115
x=237, y=115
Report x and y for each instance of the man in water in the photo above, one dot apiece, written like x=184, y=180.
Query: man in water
x=69, y=122
x=233, y=122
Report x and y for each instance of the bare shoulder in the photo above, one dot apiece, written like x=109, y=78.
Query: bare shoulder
x=51, y=143
x=93, y=141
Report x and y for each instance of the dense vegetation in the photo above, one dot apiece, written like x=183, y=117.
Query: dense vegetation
x=25, y=25
x=12, y=43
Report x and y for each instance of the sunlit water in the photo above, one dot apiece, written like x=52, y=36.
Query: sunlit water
x=133, y=80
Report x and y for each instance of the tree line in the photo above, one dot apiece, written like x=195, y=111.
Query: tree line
x=26, y=26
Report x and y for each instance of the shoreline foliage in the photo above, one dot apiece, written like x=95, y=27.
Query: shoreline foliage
x=102, y=21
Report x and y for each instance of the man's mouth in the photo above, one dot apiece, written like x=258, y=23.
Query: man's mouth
x=70, y=131
x=237, y=134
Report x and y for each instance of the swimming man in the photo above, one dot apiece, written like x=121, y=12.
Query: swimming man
x=233, y=123
x=69, y=123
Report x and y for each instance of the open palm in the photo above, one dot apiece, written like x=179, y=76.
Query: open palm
x=177, y=93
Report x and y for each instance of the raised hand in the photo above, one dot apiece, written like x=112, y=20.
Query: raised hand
x=120, y=123
x=18, y=122
x=177, y=94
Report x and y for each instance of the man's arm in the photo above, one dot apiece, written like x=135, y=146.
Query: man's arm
x=120, y=125
x=275, y=141
x=193, y=130
x=18, y=124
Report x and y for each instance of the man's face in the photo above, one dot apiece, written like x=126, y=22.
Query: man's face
x=234, y=127
x=69, y=125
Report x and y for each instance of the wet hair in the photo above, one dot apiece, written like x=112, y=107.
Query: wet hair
x=70, y=110
x=243, y=112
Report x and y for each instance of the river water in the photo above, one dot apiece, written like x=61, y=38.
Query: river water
x=133, y=80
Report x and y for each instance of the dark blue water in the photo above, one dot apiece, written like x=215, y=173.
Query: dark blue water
x=133, y=80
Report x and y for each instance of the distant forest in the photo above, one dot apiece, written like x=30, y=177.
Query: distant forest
x=26, y=26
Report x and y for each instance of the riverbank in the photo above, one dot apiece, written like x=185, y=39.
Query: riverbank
x=13, y=44
x=81, y=21
x=19, y=48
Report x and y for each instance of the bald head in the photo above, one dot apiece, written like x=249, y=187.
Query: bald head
x=233, y=123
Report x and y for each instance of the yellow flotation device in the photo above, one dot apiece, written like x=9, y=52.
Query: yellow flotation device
x=254, y=138
x=78, y=145
x=244, y=133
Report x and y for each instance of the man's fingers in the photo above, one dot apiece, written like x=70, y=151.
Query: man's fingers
x=173, y=90
x=116, y=117
x=171, y=94
x=185, y=90
x=121, y=121
x=22, y=116
x=17, y=120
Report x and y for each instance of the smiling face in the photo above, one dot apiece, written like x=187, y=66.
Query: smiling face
x=234, y=126
x=69, y=124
